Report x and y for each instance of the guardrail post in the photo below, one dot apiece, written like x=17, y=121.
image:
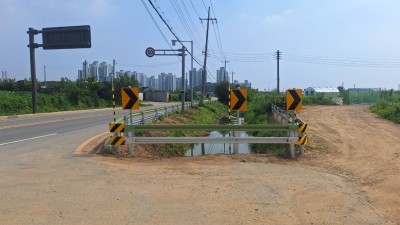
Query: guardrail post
x=125, y=120
x=292, y=145
x=143, y=121
x=302, y=148
x=236, y=134
x=130, y=145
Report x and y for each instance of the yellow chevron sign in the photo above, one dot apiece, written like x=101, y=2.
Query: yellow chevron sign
x=294, y=99
x=130, y=98
x=238, y=99
x=302, y=128
x=117, y=140
x=303, y=140
x=116, y=127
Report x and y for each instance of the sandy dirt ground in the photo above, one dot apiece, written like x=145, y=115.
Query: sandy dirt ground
x=349, y=175
x=357, y=145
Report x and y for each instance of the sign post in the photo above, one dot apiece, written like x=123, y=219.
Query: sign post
x=150, y=52
x=238, y=102
x=55, y=38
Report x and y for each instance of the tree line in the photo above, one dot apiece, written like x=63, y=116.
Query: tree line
x=65, y=94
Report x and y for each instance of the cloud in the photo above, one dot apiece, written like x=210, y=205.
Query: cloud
x=277, y=18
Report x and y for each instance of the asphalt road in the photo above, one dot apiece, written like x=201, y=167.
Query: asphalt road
x=26, y=128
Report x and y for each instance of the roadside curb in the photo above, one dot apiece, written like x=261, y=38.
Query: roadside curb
x=78, y=150
x=50, y=113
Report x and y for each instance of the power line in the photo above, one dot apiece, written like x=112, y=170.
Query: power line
x=182, y=18
x=170, y=29
x=191, y=20
x=217, y=34
x=155, y=22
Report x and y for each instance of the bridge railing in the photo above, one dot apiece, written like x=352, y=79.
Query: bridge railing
x=143, y=116
x=131, y=139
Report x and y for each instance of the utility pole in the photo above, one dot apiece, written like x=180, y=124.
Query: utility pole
x=183, y=95
x=278, y=56
x=45, y=76
x=205, y=56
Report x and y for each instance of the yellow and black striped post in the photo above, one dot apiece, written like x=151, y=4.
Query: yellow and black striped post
x=303, y=128
x=229, y=104
x=117, y=129
x=117, y=140
x=113, y=99
x=303, y=140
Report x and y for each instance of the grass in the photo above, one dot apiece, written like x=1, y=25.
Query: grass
x=388, y=107
x=20, y=102
x=207, y=114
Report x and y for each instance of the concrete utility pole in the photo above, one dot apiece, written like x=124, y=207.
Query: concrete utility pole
x=183, y=95
x=45, y=76
x=205, y=56
x=278, y=56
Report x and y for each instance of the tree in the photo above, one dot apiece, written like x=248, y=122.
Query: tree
x=222, y=92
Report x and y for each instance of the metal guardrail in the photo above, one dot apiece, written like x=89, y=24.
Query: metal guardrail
x=132, y=140
x=211, y=140
x=207, y=127
x=133, y=125
x=151, y=114
x=291, y=118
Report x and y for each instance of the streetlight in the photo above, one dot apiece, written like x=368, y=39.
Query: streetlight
x=191, y=71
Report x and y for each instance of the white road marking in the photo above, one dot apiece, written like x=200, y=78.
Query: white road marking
x=12, y=142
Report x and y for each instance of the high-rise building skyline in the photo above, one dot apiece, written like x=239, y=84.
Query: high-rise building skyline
x=222, y=75
x=4, y=75
x=163, y=81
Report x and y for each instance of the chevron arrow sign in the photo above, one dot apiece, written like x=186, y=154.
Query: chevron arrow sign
x=130, y=98
x=294, y=99
x=238, y=99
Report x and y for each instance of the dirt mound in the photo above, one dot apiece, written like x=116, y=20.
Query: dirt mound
x=360, y=146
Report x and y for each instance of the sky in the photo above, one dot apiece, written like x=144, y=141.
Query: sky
x=322, y=43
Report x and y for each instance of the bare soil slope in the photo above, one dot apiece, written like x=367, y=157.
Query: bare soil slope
x=355, y=143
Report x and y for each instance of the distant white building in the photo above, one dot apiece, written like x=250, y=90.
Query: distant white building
x=321, y=90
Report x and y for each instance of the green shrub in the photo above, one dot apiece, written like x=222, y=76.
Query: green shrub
x=388, y=107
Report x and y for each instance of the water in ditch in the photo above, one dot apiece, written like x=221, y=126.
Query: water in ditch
x=218, y=148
